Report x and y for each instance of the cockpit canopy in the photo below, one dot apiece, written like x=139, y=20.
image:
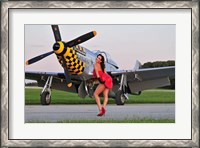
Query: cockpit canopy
x=107, y=57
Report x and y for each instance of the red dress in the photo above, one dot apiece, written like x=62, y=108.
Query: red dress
x=105, y=78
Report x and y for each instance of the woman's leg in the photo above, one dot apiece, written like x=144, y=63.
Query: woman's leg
x=105, y=95
x=98, y=90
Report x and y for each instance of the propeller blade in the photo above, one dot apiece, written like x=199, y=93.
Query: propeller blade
x=40, y=57
x=81, y=39
x=56, y=32
x=67, y=74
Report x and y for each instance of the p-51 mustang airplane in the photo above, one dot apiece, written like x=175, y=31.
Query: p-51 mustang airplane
x=78, y=62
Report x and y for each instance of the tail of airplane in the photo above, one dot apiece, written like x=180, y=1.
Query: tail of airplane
x=137, y=65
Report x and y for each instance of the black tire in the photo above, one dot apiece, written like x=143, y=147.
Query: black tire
x=120, y=98
x=45, y=99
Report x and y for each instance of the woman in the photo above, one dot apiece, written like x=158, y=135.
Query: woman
x=105, y=83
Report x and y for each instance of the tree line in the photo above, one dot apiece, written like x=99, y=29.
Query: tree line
x=162, y=64
x=158, y=64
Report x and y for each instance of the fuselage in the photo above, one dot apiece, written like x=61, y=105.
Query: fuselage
x=80, y=60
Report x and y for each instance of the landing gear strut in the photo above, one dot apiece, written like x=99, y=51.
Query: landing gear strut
x=121, y=96
x=45, y=96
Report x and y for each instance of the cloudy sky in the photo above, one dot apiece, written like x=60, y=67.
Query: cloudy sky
x=125, y=43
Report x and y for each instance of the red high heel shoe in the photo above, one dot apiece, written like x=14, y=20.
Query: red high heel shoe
x=103, y=111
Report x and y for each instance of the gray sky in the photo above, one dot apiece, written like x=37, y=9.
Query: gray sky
x=125, y=43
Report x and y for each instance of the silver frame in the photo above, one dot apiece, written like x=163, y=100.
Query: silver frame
x=193, y=5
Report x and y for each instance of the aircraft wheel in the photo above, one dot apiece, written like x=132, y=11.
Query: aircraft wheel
x=120, y=98
x=45, y=98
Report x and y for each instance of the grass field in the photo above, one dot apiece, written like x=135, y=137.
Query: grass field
x=32, y=96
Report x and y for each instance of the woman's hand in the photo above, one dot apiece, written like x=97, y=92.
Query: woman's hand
x=102, y=82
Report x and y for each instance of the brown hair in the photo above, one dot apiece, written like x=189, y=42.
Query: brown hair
x=102, y=62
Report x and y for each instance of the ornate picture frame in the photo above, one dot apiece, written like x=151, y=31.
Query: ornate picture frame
x=8, y=6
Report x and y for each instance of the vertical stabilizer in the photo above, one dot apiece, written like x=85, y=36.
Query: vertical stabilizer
x=137, y=65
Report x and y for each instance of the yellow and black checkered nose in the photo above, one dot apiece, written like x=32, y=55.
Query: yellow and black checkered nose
x=74, y=65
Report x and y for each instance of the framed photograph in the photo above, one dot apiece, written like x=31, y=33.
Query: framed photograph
x=26, y=24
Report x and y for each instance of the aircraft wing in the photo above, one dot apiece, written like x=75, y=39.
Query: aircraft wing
x=58, y=82
x=33, y=75
x=146, y=78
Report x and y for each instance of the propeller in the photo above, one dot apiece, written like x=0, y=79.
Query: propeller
x=57, y=46
x=56, y=32
x=57, y=36
x=71, y=43
x=81, y=39
x=67, y=75
x=40, y=57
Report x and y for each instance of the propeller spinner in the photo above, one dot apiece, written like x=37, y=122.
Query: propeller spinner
x=60, y=47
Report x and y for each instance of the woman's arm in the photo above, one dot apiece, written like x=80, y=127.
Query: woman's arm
x=96, y=70
x=105, y=71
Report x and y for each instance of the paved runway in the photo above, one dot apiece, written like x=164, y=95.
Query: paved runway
x=54, y=113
